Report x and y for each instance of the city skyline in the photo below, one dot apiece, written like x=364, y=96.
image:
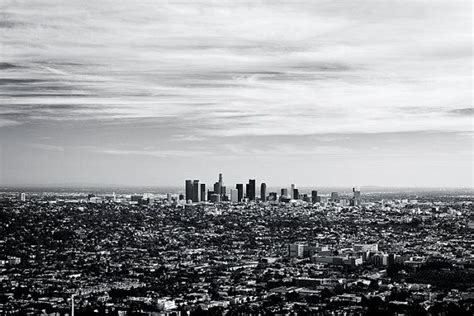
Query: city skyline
x=220, y=157
x=316, y=93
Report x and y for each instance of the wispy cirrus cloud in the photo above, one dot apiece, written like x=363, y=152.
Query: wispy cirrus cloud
x=152, y=153
x=46, y=147
x=350, y=67
x=237, y=81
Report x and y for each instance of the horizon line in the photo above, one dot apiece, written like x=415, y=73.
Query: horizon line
x=102, y=185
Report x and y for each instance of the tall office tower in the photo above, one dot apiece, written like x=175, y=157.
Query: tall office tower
x=189, y=190
x=203, y=192
x=196, y=191
x=169, y=197
x=296, y=194
x=284, y=192
x=335, y=196
x=23, y=197
x=292, y=190
x=234, y=195
x=217, y=188
x=314, y=196
x=221, y=184
x=263, y=191
x=240, y=191
x=356, y=199
x=223, y=190
x=251, y=190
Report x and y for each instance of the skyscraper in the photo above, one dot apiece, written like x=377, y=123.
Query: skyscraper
x=251, y=190
x=263, y=191
x=314, y=196
x=203, y=192
x=296, y=194
x=189, y=190
x=240, y=191
x=234, y=195
x=356, y=198
x=284, y=192
x=292, y=191
x=221, y=184
x=196, y=191
x=217, y=188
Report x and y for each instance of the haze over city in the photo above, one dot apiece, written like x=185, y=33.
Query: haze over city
x=220, y=158
x=313, y=93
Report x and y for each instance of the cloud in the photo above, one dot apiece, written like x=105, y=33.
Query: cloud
x=46, y=147
x=283, y=149
x=230, y=69
x=189, y=138
x=152, y=153
x=463, y=111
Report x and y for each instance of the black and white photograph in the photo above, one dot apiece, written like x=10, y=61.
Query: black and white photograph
x=217, y=157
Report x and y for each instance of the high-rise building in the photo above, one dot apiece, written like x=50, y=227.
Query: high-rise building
x=217, y=188
x=251, y=190
x=223, y=190
x=314, y=196
x=296, y=194
x=189, y=190
x=284, y=192
x=234, y=195
x=203, y=192
x=355, y=201
x=335, y=196
x=196, y=191
x=292, y=191
x=221, y=184
x=22, y=197
x=263, y=191
x=240, y=191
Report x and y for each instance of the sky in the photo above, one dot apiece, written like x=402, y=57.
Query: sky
x=316, y=93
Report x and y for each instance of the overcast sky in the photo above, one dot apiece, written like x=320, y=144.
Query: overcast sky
x=313, y=93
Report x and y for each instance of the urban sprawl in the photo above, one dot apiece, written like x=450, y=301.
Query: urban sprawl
x=236, y=251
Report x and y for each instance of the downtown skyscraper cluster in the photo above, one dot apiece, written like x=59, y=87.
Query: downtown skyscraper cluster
x=196, y=192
